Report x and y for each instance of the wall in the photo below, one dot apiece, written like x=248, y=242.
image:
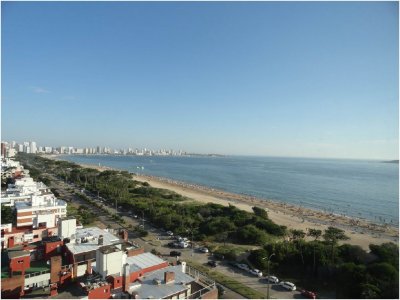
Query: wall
x=12, y=287
x=37, y=279
x=81, y=270
x=67, y=228
x=213, y=294
x=20, y=263
x=135, y=251
x=135, y=275
x=107, y=264
x=52, y=248
x=102, y=292
x=48, y=218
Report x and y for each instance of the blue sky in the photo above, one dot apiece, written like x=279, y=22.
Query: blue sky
x=263, y=78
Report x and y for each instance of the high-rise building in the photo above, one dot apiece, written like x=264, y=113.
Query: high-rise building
x=33, y=147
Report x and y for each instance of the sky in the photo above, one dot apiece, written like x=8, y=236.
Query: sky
x=306, y=79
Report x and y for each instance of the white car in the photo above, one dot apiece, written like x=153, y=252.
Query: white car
x=272, y=279
x=288, y=285
x=256, y=272
x=183, y=244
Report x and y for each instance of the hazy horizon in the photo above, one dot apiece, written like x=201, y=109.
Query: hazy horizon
x=278, y=79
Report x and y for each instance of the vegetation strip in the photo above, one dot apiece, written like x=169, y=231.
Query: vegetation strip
x=229, y=282
x=344, y=271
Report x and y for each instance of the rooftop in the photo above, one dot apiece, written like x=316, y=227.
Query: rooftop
x=150, y=289
x=142, y=261
x=18, y=253
x=109, y=249
x=91, y=235
x=28, y=205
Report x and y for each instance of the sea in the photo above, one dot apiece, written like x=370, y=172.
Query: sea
x=364, y=189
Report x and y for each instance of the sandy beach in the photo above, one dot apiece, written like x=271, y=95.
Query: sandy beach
x=361, y=232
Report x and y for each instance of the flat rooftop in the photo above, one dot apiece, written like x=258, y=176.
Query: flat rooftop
x=28, y=204
x=91, y=234
x=109, y=249
x=142, y=261
x=149, y=289
x=18, y=253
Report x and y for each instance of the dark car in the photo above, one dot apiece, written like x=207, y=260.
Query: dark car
x=171, y=244
x=175, y=253
x=309, y=294
x=218, y=256
x=212, y=263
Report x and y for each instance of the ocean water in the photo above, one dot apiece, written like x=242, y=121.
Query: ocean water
x=357, y=188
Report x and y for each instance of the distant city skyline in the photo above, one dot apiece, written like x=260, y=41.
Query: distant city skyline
x=299, y=79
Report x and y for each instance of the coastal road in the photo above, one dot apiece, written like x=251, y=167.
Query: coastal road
x=158, y=241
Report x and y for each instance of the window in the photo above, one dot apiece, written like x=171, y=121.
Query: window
x=20, y=261
x=35, y=236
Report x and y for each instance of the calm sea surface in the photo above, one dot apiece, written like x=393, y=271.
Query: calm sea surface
x=363, y=189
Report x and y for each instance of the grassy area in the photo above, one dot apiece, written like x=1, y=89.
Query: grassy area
x=229, y=282
x=38, y=266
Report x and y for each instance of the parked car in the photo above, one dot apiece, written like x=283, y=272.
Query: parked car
x=243, y=267
x=212, y=263
x=170, y=233
x=171, y=244
x=272, y=279
x=309, y=294
x=218, y=256
x=203, y=249
x=255, y=272
x=183, y=244
x=288, y=285
x=175, y=253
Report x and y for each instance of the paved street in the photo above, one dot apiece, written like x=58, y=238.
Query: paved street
x=158, y=240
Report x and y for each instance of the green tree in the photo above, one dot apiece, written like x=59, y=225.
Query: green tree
x=6, y=215
x=332, y=235
x=387, y=252
x=261, y=212
x=316, y=234
x=297, y=236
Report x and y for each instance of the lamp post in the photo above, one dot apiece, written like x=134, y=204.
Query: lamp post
x=269, y=258
x=191, y=230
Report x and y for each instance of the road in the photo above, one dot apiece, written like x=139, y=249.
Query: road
x=158, y=241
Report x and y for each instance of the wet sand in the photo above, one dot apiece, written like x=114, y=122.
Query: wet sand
x=361, y=232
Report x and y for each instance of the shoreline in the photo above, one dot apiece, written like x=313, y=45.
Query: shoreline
x=360, y=231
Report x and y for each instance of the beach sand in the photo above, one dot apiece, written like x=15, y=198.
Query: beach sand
x=360, y=232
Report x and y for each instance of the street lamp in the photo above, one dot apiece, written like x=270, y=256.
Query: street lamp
x=191, y=230
x=269, y=258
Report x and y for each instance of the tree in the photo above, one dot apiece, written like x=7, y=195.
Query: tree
x=349, y=279
x=332, y=235
x=6, y=215
x=387, y=252
x=261, y=212
x=316, y=234
x=297, y=235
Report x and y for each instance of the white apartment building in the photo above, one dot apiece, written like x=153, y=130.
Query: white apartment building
x=40, y=212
